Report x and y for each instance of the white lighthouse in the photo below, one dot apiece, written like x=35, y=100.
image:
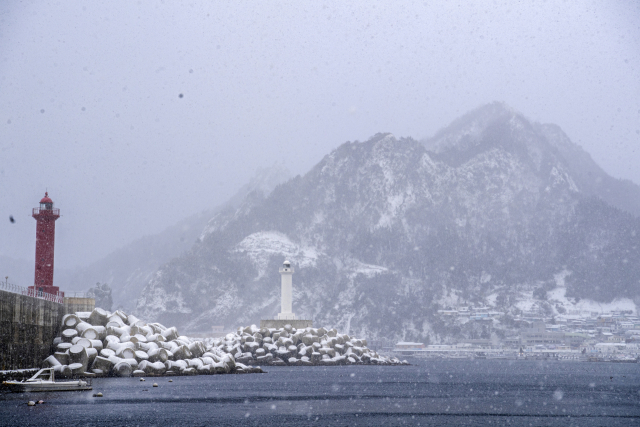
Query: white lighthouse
x=286, y=289
x=286, y=318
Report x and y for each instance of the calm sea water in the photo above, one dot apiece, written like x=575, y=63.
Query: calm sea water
x=443, y=393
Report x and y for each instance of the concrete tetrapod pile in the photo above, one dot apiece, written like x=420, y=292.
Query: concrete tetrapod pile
x=100, y=343
x=302, y=347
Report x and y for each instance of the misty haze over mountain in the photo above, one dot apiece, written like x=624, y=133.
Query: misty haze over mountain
x=147, y=124
x=92, y=110
x=396, y=229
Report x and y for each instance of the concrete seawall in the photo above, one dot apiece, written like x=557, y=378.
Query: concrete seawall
x=28, y=326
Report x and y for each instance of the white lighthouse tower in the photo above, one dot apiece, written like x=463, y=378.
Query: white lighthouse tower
x=286, y=318
x=286, y=289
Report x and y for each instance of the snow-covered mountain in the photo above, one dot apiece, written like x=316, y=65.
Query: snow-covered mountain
x=128, y=269
x=382, y=233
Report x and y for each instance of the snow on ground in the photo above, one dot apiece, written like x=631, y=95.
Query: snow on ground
x=526, y=301
x=559, y=278
x=449, y=298
x=367, y=270
x=491, y=299
x=585, y=307
x=261, y=246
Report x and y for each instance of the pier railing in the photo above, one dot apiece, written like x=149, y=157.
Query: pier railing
x=76, y=295
x=10, y=287
x=37, y=211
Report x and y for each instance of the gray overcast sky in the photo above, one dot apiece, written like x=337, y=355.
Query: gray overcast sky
x=90, y=104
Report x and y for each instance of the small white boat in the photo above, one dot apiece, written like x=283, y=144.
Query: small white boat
x=44, y=380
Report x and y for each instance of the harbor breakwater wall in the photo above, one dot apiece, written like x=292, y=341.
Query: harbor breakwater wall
x=28, y=326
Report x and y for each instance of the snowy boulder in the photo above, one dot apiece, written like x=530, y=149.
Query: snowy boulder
x=245, y=358
x=102, y=363
x=178, y=365
x=62, y=371
x=110, y=339
x=99, y=333
x=92, y=353
x=122, y=369
x=62, y=357
x=83, y=315
x=139, y=338
x=63, y=346
x=78, y=354
x=158, y=355
x=85, y=342
x=155, y=338
x=77, y=368
x=168, y=345
x=309, y=339
x=278, y=362
x=134, y=321
x=189, y=371
x=204, y=369
x=140, y=355
x=157, y=368
x=196, y=348
x=132, y=362
x=98, y=372
x=70, y=321
x=304, y=361
x=170, y=333
x=266, y=359
x=82, y=326
x=157, y=327
x=251, y=347
x=125, y=353
x=283, y=353
x=98, y=317
x=107, y=352
x=194, y=363
x=50, y=362
x=68, y=334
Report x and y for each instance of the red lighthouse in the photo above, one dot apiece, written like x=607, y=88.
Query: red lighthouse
x=46, y=217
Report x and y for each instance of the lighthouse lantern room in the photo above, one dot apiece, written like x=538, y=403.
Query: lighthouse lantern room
x=46, y=216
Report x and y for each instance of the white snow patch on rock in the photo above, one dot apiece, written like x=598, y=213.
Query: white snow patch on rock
x=264, y=244
x=585, y=307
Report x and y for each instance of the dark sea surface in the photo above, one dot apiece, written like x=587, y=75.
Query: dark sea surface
x=438, y=393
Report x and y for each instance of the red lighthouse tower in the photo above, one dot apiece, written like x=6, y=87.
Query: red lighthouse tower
x=46, y=217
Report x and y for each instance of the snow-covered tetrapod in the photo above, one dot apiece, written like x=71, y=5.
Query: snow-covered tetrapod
x=121, y=345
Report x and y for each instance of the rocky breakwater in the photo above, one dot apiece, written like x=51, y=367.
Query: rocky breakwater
x=298, y=347
x=100, y=343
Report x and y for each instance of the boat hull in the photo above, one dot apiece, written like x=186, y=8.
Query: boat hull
x=18, y=387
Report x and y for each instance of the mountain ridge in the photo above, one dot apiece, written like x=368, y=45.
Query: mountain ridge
x=394, y=229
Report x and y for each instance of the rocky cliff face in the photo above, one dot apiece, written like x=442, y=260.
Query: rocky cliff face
x=384, y=232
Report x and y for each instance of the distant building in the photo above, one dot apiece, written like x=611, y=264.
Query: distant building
x=537, y=334
x=409, y=345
